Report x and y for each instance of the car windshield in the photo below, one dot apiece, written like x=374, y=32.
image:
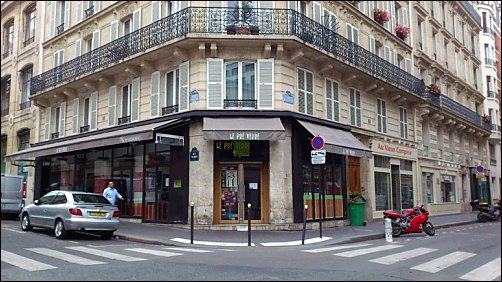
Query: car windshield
x=89, y=199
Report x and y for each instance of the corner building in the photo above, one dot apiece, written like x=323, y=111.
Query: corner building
x=216, y=103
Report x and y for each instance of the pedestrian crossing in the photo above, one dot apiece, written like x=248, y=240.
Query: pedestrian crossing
x=83, y=255
x=489, y=271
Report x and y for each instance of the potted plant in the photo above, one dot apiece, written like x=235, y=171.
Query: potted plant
x=381, y=16
x=487, y=118
x=231, y=29
x=402, y=31
x=433, y=88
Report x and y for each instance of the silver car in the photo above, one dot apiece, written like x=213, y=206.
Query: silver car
x=66, y=211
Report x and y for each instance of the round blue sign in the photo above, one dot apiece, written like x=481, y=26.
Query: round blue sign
x=317, y=142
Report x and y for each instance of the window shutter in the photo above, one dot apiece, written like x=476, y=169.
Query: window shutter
x=310, y=93
x=392, y=16
x=78, y=48
x=112, y=97
x=329, y=100
x=62, y=119
x=356, y=35
x=97, y=6
x=292, y=5
x=52, y=19
x=154, y=94
x=96, y=38
x=114, y=30
x=266, y=4
x=372, y=45
x=156, y=11
x=67, y=14
x=336, y=104
x=135, y=93
x=386, y=53
x=47, y=129
x=74, y=121
x=80, y=11
x=214, y=83
x=349, y=33
x=94, y=110
x=183, y=5
x=407, y=63
x=358, y=105
x=316, y=11
x=405, y=17
x=136, y=20
x=184, y=86
x=395, y=57
x=266, y=84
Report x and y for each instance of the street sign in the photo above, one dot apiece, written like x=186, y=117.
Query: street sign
x=318, y=153
x=317, y=142
x=318, y=160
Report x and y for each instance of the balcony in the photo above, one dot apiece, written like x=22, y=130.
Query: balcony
x=89, y=12
x=124, y=120
x=25, y=105
x=169, y=110
x=239, y=104
x=463, y=112
x=54, y=135
x=60, y=29
x=84, y=128
x=215, y=20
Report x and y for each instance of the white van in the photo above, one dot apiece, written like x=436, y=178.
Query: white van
x=13, y=193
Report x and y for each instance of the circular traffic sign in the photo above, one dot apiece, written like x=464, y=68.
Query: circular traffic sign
x=317, y=142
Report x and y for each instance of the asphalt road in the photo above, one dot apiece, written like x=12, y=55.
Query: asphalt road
x=469, y=252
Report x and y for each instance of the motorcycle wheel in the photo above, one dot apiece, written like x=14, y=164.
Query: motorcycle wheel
x=429, y=228
x=482, y=217
x=396, y=231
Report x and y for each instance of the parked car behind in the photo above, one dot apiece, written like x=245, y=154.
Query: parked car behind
x=13, y=193
x=67, y=211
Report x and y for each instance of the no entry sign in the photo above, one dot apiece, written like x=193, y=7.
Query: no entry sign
x=317, y=142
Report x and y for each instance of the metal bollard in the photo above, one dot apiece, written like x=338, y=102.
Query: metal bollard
x=249, y=224
x=388, y=230
x=191, y=222
x=304, y=224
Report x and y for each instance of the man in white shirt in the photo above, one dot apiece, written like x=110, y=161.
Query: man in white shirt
x=111, y=194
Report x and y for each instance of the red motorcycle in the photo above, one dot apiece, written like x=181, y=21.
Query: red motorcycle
x=413, y=220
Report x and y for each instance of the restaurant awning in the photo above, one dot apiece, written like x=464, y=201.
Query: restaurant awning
x=338, y=141
x=243, y=129
x=121, y=136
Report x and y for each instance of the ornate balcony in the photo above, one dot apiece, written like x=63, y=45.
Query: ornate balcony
x=216, y=20
x=169, y=110
x=84, y=128
x=124, y=120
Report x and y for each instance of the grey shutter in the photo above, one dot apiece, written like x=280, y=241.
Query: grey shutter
x=97, y=6
x=112, y=97
x=184, y=86
x=183, y=5
x=62, y=119
x=136, y=20
x=78, y=48
x=156, y=11
x=47, y=129
x=94, y=111
x=96, y=39
x=114, y=30
x=80, y=11
x=154, y=94
x=74, y=122
x=67, y=14
x=316, y=12
x=135, y=93
x=266, y=84
x=329, y=100
x=52, y=19
x=214, y=83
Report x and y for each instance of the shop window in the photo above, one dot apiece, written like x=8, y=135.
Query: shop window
x=382, y=162
x=406, y=165
x=428, y=183
x=406, y=191
x=382, y=190
x=448, y=192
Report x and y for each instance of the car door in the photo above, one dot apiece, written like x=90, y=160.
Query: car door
x=38, y=212
x=56, y=208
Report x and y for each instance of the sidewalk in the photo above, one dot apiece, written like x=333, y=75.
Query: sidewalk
x=168, y=234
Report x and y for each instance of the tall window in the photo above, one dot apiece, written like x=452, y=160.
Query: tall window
x=240, y=83
x=26, y=74
x=5, y=95
x=382, y=116
x=87, y=112
x=448, y=189
x=29, y=33
x=355, y=107
x=305, y=92
x=332, y=100
x=172, y=89
x=8, y=39
x=23, y=139
x=126, y=100
x=403, y=123
x=57, y=116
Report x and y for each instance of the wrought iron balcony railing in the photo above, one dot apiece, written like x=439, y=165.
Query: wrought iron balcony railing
x=216, y=20
x=60, y=28
x=463, y=112
x=54, y=135
x=28, y=41
x=229, y=103
x=89, y=12
x=84, y=128
x=25, y=105
x=169, y=110
x=124, y=120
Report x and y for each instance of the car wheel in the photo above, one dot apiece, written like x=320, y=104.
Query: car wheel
x=59, y=230
x=25, y=223
x=106, y=235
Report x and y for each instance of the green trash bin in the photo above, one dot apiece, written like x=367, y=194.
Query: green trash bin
x=356, y=213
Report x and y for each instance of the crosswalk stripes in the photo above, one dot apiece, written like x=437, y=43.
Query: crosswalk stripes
x=487, y=272
x=64, y=256
x=153, y=252
x=394, y=258
x=24, y=263
x=329, y=249
x=188, y=250
x=443, y=262
x=105, y=254
x=360, y=252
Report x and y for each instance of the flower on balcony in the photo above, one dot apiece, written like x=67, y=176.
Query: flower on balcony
x=381, y=16
x=433, y=88
x=402, y=31
x=487, y=118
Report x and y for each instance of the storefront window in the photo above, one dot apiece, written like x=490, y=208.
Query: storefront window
x=333, y=190
x=382, y=186
x=406, y=191
x=448, y=189
x=428, y=187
